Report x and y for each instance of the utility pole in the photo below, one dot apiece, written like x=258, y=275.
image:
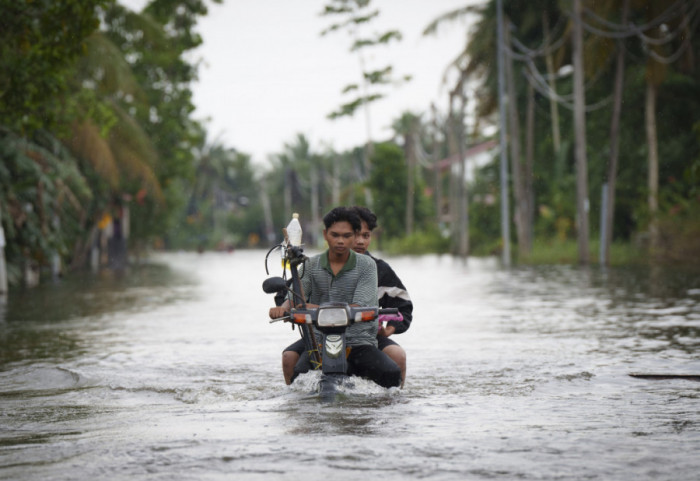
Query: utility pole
x=505, y=215
x=267, y=213
x=580, y=139
x=462, y=194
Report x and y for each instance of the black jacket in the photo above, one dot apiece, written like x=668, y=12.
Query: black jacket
x=392, y=293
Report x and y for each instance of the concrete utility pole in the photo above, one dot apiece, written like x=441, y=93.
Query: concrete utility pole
x=270, y=236
x=505, y=215
x=580, y=139
x=462, y=193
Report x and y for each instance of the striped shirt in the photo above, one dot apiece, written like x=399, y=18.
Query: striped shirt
x=356, y=283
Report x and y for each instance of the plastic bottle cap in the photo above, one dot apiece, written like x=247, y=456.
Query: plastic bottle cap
x=295, y=215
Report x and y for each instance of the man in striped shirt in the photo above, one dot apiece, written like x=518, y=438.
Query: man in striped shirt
x=341, y=275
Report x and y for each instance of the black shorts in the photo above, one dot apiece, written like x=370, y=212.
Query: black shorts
x=382, y=343
x=297, y=347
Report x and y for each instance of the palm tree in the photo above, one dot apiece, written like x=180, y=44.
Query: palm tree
x=105, y=137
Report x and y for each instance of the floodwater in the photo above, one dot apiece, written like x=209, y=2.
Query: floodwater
x=173, y=372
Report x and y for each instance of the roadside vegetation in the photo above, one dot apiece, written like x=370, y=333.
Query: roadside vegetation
x=99, y=147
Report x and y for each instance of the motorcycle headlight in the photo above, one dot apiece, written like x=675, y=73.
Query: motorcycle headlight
x=332, y=317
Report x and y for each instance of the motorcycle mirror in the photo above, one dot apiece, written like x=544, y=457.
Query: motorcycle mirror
x=273, y=285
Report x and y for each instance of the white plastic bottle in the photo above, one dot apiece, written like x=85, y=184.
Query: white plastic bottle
x=294, y=230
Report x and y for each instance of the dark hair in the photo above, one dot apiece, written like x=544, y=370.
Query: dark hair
x=366, y=215
x=343, y=214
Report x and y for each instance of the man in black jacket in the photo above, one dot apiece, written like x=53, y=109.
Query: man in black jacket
x=391, y=293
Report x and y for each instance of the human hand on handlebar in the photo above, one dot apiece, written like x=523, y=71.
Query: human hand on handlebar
x=382, y=318
x=386, y=331
x=283, y=310
x=278, y=311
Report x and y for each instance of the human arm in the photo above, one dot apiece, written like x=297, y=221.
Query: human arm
x=393, y=294
x=280, y=311
x=285, y=299
x=386, y=331
x=366, y=288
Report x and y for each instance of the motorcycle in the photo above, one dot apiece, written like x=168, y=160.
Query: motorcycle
x=332, y=320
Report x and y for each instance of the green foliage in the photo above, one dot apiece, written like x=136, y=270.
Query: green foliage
x=217, y=212
x=484, y=211
x=39, y=42
x=42, y=197
x=679, y=223
x=348, y=109
x=554, y=172
x=387, y=182
x=354, y=14
x=428, y=241
x=155, y=44
x=556, y=251
x=119, y=99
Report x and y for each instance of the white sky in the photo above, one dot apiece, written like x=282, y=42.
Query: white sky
x=267, y=74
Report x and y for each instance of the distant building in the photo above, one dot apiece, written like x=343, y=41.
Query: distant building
x=477, y=156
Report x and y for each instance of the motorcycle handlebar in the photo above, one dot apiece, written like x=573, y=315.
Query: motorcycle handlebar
x=287, y=315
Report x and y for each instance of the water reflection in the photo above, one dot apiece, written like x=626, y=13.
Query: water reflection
x=48, y=322
x=85, y=293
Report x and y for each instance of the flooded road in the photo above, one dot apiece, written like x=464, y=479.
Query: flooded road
x=173, y=372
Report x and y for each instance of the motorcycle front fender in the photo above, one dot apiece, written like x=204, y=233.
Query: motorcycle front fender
x=334, y=361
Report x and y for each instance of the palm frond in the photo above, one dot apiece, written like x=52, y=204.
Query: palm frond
x=88, y=143
x=105, y=65
x=135, y=154
x=451, y=16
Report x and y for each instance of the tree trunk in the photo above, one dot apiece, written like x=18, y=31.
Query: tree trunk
x=529, y=167
x=653, y=160
x=580, y=138
x=553, y=105
x=410, y=150
x=437, y=175
x=614, y=143
x=515, y=159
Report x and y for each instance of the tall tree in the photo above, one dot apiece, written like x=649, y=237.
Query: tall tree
x=42, y=190
x=522, y=224
x=352, y=16
x=614, y=141
x=40, y=40
x=156, y=43
x=388, y=183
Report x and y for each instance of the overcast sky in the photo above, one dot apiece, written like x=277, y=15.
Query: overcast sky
x=267, y=74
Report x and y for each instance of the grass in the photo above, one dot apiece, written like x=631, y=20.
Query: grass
x=552, y=250
x=555, y=251
x=416, y=244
